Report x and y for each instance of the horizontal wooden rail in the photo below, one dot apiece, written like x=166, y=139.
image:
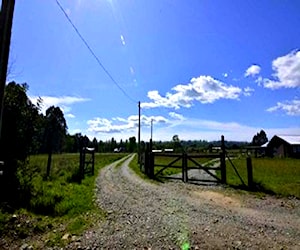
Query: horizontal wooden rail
x=207, y=168
x=169, y=166
x=167, y=155
x=204, y=156
x=201, y=180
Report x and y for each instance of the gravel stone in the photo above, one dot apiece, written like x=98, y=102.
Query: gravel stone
x=147, y=215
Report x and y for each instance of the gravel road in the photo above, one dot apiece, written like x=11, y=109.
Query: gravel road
x=175, y=215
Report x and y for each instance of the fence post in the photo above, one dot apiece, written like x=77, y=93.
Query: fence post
x=223, y=161
x=93, y=162
x=250, y=173
x=146, y=161
x=151, y=165
x=150, y=145
x=184, y=167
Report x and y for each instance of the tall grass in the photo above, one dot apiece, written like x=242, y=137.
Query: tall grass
x=274, y=175
x=59, y=200
x=60, y=194
x=134, y=165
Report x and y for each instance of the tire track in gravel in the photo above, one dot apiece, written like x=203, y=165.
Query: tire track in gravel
x=143, y=215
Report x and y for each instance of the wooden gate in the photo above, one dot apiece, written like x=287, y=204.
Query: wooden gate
x=87, y=161
x=185, y=162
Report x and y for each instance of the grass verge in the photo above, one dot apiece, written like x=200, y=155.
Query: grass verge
x=136, y=168
x=271, y=175
x=55, y=207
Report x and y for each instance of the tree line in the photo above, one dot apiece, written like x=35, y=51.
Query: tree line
x=27, y=131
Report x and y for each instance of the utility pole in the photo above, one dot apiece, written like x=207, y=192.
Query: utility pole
x=151, y=129
x=6, y=19
x=139, y=134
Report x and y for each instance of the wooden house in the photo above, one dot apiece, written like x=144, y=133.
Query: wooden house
x=284, y=146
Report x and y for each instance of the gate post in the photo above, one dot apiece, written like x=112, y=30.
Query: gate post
x=223, y=161
x=184, y=167
x=151, y=165
x=146, y=161
x=151, y=160
x=93, y=162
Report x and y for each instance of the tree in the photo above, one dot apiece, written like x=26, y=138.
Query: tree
x=132, y=144
x=101, y=146
x=95, y=144
x=260, y=138
x=176, y=143
x=56, y=128
x=85, y=142
x=21, y=121
x=69, y=144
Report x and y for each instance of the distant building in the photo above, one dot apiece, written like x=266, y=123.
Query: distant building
x=284, y=146
x=119, y=150
x=156, y=150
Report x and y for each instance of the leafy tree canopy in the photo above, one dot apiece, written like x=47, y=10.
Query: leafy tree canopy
x=260, y=138
x=21, y=120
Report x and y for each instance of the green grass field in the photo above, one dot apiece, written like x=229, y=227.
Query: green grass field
x=271, y=175
x=274, y=175
x=58, y=202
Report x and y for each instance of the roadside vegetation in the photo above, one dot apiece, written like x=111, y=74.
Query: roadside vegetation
x=54, y=209
x=280, y=176
x=41, y=191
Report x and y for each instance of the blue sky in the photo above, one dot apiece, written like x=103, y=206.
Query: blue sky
x=200, y=68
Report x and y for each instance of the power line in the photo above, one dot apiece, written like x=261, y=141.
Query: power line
x=93, y=54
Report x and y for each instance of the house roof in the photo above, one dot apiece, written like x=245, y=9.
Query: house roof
x=264, y=145
x=291, y=139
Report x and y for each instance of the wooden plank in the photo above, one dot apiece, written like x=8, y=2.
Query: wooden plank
x=204, y=156
x=167, y=155
x=203, y=180
x=208, y=168
x=170, y=177
x=161, y=165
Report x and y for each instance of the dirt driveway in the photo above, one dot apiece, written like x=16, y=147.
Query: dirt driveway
x=174, y=215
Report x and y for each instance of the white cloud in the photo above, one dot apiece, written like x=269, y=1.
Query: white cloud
x=117, y=124
x=225, y=75
x=247, y=91
x=253, y=70
x=291, y=108
x=186, y=129
x=122, y=40
x=64, y=102
x=203, y=89
x=176, y=116
x=70, y=116
x=286, y=72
